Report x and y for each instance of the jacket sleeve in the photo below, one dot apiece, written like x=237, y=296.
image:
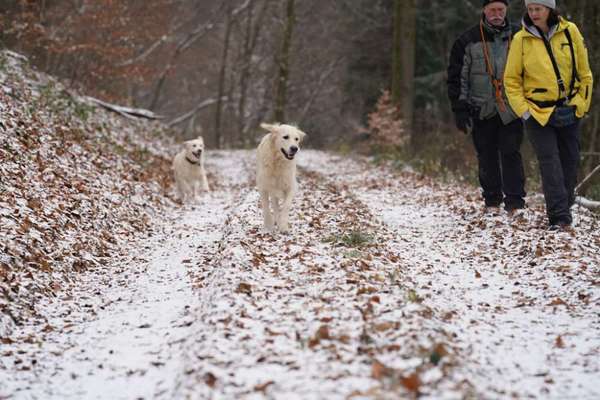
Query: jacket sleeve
x=583, y=98
x=455, y=76
x=513, y=77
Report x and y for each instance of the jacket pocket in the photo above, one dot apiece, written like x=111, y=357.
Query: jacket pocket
x=539, y=90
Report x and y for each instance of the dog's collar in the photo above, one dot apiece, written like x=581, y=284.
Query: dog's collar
x=192, y=162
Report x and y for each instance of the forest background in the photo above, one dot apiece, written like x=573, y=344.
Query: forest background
x=357, y=75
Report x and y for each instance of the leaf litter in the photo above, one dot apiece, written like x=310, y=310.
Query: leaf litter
x=390, y=285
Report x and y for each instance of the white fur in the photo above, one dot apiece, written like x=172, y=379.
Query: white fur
x=276, y=173
x=190, y=176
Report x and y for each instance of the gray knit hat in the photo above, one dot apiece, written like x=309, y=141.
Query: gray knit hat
x=486, y=2
x=548, y=3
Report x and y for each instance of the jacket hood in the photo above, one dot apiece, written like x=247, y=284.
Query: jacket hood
x=532, y=30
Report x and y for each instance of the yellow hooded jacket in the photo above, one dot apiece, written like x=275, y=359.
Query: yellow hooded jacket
x=529, y=74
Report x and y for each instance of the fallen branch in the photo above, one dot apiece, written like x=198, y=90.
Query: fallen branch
x=589, y=204
x=127, y=112
x=587, y=180
x=16, y=56
x=191, y=113
x=144, y=54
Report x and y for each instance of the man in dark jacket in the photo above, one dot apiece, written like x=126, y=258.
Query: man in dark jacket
x=480, y=107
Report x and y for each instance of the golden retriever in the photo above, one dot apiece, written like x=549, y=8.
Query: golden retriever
x=276, y=173
x=188, y=166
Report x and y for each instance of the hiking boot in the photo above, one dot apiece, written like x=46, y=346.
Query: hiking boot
x=491, y=210
x=561, y=226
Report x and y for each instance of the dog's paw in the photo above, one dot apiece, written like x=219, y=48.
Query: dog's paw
x=284, y=228
x=269, y=226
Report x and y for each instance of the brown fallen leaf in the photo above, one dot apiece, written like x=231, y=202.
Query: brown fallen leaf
x=244, y=288
x=323, y=332
x=539, y=251
x=367, y=290
x=379, y=371
x=558, y=302
x=559, y=343
x=448, y=315
x=273, y=333
x=210, y=379
x=263, y=386
x=384, y=326
x=411, y=382
x=344, y=339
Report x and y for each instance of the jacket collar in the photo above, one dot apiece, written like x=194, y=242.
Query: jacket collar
x=532, y=30
x=493, y=29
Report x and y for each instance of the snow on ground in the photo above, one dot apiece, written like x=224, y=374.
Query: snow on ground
x=129, y=340
x=521, y=301
x=308, y=315
x=390, y=285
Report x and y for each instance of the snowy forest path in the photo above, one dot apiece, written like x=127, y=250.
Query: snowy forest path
x=390, y=285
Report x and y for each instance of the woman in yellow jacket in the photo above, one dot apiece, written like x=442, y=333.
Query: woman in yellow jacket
x=548, y=83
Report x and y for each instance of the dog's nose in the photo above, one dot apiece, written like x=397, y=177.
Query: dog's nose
x=293, y=149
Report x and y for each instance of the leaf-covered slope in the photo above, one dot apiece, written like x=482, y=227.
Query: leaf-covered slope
x=74, y=181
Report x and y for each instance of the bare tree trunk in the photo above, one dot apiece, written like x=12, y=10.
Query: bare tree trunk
x=253, y=29
x=283, y=62
x=186, y=43
x=403, y=74
x=181, y=47
x=586, y=14
x=221, y=89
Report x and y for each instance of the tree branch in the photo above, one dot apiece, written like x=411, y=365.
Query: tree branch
x=191, y=113
x=587, y=180
x=127, y=112
x=586, y=203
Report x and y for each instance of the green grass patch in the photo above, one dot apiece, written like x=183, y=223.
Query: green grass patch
x=354, y=253
x=413, y=297
x=354, y=239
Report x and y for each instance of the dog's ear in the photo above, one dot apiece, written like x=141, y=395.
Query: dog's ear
x=200, y=138
x=302, y=135
x=273, y=128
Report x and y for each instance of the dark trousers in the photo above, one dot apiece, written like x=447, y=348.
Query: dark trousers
x=501, y=172
x=557, y=151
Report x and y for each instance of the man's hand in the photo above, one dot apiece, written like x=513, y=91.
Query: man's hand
x=463, y=121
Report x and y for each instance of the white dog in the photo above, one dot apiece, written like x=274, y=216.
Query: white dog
x=276, y=173
x=188, y=166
